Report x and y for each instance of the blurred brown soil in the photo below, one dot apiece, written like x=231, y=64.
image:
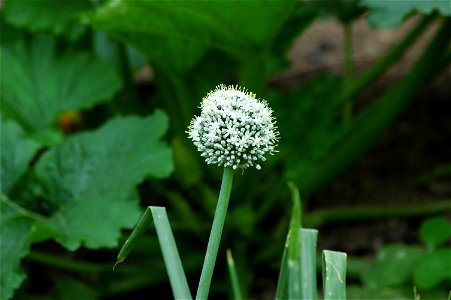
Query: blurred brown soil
x=418, y=141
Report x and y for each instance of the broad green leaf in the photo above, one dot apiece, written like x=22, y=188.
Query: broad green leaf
x=393, y=266
x=178, y=33
x=432, y=269
x=17, y=152
x=391, y=13
x=94, y=220
x=334, y=275
x=90, y=179
x=38, y=83
x=55, y=16
x=433, y=232
x=15, y=227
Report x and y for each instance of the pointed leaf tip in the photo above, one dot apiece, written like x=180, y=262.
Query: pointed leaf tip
x=118, y=261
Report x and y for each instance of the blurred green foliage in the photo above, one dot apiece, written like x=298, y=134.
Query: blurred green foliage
x=83, y=146
x=399, y=265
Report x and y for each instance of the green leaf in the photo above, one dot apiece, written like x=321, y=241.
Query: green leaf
x=432, y=269
x=334, y=275
x=171, y=255
x=15, y=228
x=137, y=232
x=55, y=16
x=391, y=13
x=294, y=246
x=17, y=152
x=233, y=276
x=393, y=266
x=184, y=31
x=282, y=282
x=90, y=179
x=435, y=231
x=95, y=219
x=308, y=238
x=37, y=85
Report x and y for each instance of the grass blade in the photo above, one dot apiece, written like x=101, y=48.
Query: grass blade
x=142, y=225
x=171, y=256
x=308, y=238
x=233, y=276
x=294, y=247
x=334, y=275
x=282, y=283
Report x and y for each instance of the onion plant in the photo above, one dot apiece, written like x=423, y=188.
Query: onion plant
x=235, y=130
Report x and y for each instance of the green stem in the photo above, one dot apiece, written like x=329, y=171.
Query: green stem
x=348, y=71
x=379, y=68
x=215, y=234
x=72, y=265
x=336, y=215
x=372, y=121
x=21, y=210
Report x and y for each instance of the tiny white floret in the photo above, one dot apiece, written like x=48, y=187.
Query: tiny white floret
x=234, y=129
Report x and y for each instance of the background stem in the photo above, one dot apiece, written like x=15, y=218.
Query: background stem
x=348, y=71
x=380, y=67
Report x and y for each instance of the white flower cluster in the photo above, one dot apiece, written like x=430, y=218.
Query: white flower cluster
x=234, y=129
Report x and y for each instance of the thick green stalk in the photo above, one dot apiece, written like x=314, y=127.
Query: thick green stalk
x=215, y=234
